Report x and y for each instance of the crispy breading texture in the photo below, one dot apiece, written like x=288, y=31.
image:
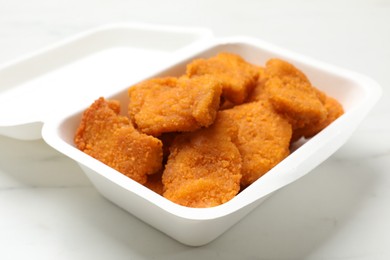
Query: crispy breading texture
x=174, y=104
x=238, y=77
x=263, y=138
x=334, y=110
x=301, y=128
x=203, y=168
x=292, y=94
x=259, y=92
x=111, y=139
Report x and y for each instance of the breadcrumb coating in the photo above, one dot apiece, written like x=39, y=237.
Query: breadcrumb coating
x=203, y=168
x=263, y=138
x=111, y=139
x=292, y=94
x=334, y=110
x=259, y=92
x=174, y=104
x=238, y=77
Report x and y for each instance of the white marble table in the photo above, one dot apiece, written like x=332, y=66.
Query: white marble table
x=49, y=210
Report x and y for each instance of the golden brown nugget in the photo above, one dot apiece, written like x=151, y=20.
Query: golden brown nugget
x=237, y=76
x=111, y=139
x=292, y=94
x=334, y=110
x=174, y=104
x=263, y=138
x=204, y=168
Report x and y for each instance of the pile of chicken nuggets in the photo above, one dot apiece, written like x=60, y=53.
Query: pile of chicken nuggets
x=200, y=138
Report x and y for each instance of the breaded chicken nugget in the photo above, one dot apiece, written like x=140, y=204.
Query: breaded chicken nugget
x=204, y=167
x=174, y=104
x=334, y=110
x=263, y=138
x=237, y=76
x=111, y=139
x=292, y=94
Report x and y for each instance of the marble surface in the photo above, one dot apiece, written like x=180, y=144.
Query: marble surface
x=49, y=210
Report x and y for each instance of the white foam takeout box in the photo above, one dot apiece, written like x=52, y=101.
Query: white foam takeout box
x=44, y=94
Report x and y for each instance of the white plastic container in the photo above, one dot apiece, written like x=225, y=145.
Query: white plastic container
x=190, y=226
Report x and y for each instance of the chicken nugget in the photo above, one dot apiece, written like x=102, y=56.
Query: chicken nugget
x=292, y=94
x=334, y=110
x=111, y=139
x=238, y=77
x=174, y=104
x=263, y=138
x=204, y=167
